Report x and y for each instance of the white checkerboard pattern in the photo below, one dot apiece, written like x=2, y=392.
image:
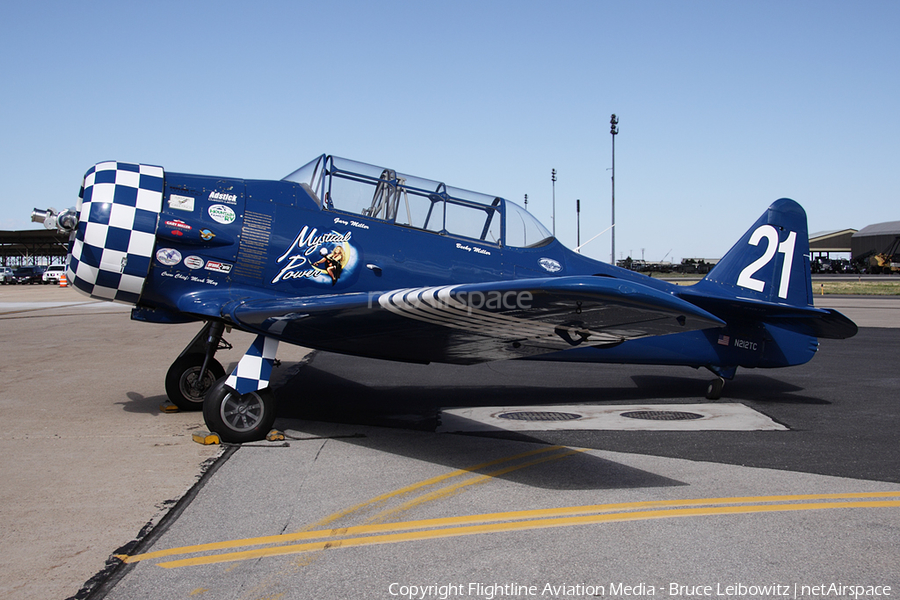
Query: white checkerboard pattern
x=113, y=245
x=255, y=367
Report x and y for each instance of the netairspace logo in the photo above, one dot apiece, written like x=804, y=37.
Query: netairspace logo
x=467, y=301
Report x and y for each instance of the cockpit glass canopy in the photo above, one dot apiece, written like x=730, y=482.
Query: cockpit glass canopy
x=381, y=193
x=522, y=229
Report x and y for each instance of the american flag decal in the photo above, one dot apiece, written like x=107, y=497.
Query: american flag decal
x=724, y=340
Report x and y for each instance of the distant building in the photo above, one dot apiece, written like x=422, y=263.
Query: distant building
x=874, y=239
x=825, y=243
x=697, y=265
x=32, y=247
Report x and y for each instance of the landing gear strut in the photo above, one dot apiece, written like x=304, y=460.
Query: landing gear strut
x=195, y=370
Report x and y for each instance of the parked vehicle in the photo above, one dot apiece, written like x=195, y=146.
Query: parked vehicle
x=53, y=273
x=6, y=275
x=28, y=275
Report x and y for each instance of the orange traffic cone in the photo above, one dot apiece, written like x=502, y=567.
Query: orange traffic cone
x=62, y=281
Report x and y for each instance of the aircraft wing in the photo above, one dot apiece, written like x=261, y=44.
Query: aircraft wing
x=479, y=322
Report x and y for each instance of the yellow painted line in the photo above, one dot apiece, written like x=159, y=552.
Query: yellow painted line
x=425, y=483
x=456, y=487
x=529, y=515
x=392, y=538
x=363, y=505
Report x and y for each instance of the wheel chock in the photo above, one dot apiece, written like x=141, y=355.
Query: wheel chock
x=275, y=436
x=206, y=438
x=168, y=407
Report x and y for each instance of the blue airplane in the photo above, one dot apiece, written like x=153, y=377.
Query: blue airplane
x=351, y=258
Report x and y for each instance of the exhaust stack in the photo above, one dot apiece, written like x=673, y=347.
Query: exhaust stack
x=64, y=222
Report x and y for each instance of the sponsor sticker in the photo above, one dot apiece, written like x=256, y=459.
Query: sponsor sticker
x=218, y=267
x=221, y=214
x=178, y=224
x=223, y=197
x=177, y=202
x=168, y=256
x=550, y=265
x=194, y=262
x=206, y=234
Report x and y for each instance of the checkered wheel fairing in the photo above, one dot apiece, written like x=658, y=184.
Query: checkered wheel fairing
x=117, y=217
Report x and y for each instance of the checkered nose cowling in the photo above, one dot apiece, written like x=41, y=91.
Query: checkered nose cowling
x=117, y=216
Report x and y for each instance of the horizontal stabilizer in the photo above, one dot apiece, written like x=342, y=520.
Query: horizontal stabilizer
x=808, y=320
x=824, y=323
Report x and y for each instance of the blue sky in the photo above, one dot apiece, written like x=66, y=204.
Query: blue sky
x=724, y=106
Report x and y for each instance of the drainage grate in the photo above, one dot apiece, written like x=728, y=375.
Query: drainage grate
x=661, y=415
x=539, y=415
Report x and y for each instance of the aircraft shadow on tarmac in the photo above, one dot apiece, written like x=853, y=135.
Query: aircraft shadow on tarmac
x=355, y=391
x=308, y=392
x=764, y=389
x=332, y=389
x=556, y=469
x=393, y=398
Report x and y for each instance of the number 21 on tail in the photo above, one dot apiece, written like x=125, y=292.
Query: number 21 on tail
x=770, y=234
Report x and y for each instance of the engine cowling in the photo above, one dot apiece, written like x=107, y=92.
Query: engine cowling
x=118, y=213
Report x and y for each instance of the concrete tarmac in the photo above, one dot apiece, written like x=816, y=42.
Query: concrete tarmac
x=350, y=511
x=90, y=465
x=87, y=460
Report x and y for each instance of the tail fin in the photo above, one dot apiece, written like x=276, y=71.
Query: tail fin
x=771, y=261
x=766, y=277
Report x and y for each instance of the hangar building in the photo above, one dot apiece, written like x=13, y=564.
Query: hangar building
x=874, y=239
x=32, y=247
x=824, y=243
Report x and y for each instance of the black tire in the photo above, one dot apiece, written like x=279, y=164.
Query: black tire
x=714, y=389
x=182, y=385
x=239, y=418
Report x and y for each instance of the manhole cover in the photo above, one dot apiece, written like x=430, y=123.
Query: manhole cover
x=661, y=415
x=539, y=415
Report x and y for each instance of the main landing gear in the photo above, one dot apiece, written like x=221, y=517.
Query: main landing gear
x=239, y=407
x=196, y=370
x=237, y=417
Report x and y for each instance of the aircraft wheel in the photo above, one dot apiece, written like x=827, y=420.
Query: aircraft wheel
x=183, y=385
x=714, y=390
x=239, y=418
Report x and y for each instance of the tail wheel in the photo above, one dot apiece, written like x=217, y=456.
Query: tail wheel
x=239, y=418
x=714, y=389
x=183, y=384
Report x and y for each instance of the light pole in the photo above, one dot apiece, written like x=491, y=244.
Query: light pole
x=614, y=131
x=526, y=202
x=553, y=179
